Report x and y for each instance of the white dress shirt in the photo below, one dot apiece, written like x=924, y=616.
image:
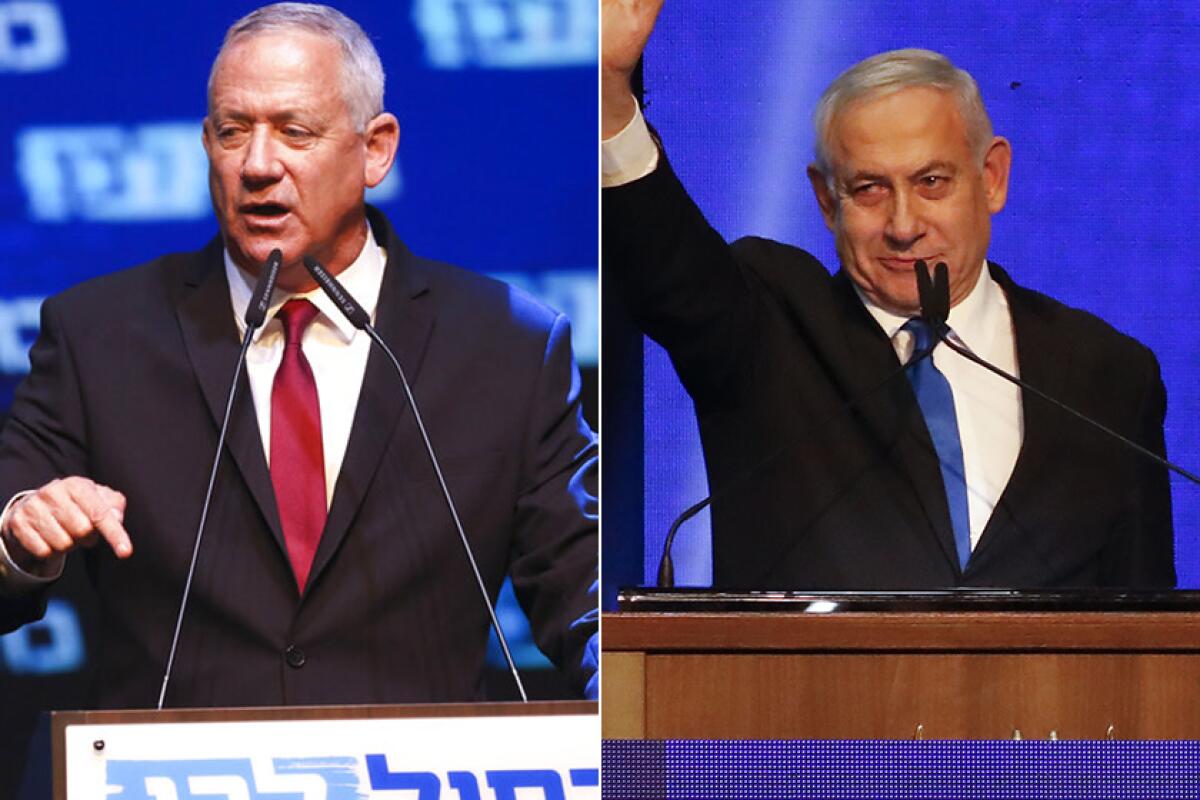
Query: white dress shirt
x=335, y=349
x=988, y=407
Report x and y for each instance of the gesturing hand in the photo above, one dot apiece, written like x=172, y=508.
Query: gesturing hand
x=62, y=515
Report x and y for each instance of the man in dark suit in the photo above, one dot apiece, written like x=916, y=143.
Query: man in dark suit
x=330, y=571
x=828, y=469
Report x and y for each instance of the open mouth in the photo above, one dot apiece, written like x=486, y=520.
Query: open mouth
x=264, y=210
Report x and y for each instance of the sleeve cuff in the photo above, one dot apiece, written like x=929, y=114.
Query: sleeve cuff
x=629, y=155
x=13, y=579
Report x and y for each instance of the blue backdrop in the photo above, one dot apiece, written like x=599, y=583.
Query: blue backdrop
x=101, y=168
x=1101, y=103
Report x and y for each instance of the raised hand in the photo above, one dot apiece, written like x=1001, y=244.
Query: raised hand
x=625, y=27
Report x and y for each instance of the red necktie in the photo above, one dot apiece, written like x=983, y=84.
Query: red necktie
x=297, y=457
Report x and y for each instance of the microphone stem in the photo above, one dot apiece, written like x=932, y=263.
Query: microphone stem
x=212, y=481
x=412, y=403
x=1150, y=454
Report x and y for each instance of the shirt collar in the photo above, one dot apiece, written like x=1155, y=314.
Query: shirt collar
x=362, y=280
x=972, y=319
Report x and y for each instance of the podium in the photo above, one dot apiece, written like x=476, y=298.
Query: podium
x=992, y=665
x=489, y=750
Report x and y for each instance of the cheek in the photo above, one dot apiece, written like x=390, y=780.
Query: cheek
x=223, y=180
x=857, y=232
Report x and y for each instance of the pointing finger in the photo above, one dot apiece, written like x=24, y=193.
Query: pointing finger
x=105, y=511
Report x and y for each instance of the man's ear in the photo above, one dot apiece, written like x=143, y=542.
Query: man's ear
x=826, y=199
x=996, y=165
x=382, y=138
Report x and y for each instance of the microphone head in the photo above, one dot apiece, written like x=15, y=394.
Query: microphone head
x=941, y=292
x=924, y=288
x=340, y=297
x=260, y=301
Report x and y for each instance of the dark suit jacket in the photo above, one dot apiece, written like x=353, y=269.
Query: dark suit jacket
x=821, y=481
x=128, y=383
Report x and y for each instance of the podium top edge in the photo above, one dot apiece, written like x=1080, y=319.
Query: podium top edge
x=284, y=713
x=692, y=600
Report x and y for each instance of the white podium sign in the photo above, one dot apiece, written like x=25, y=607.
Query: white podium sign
x=553, y=757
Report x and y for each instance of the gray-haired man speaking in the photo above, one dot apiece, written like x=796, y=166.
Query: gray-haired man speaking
x=330, y=570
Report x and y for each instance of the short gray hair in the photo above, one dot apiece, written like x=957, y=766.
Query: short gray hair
x=895, y=70
x=362, y=72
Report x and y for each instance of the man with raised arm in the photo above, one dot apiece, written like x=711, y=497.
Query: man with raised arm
x=829, y=470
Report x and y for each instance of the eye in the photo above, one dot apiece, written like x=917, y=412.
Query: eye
x=934, y=185
x=296, y=133
x=230, y=135
x=868, y=192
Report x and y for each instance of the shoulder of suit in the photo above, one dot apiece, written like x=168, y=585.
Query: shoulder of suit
x=464, y=297
x=778, y=265
x=1090, y=335
x=126, y=291
x=470, y=298
x=758, y=249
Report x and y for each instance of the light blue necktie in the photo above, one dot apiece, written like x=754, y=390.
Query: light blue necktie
x=937, y=404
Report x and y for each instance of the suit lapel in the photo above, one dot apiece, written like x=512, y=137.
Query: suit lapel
x=894, y=419
x=404, y=319
x=210, y=336
x=1041, y=424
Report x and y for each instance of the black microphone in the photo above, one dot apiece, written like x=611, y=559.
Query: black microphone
x=256, y=314
x=361, y=320
x=347, y=304
x=933, y=295
x=936, y=297
x=260, y=301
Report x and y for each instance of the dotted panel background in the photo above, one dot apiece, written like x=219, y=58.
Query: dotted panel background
x=900, y=770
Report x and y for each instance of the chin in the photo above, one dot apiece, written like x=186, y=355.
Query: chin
x=900, y=302
x=257, y=251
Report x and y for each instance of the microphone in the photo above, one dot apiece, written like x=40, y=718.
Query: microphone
x=935, y=307
x=260, y=301
x=361, y=320
x=256, y=314
x=934, y=295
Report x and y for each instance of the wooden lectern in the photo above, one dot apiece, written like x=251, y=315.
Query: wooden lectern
x=944, y=665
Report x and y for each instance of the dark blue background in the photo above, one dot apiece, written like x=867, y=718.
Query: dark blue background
x=1101, y=102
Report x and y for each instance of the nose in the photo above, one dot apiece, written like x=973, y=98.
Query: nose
x=260, y=162
x=904, y=225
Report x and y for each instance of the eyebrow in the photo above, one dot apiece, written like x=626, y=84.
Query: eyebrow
x=277, y=117
x=935, y=166
x=862, y=175
x=925, y=169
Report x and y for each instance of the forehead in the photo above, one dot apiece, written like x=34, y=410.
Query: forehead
x=899, y=132
x=277, y=68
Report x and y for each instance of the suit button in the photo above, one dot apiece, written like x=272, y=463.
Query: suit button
x=295, y=657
